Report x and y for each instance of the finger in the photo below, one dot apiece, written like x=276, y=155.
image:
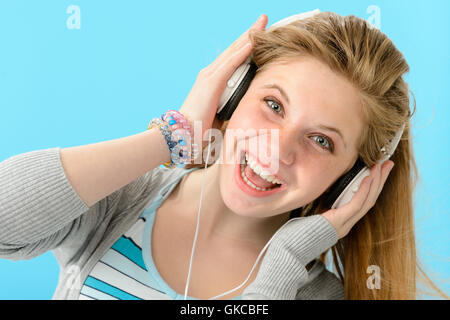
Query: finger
x=373, y=193
x=238, y=44
x=226, y=69
x=231, y=50
x=371, y=196
x=259, y=24
x=386, y=169
x=356, y=203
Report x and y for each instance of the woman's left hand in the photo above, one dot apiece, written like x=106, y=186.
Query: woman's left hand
x=283, y=270
x=345, y=217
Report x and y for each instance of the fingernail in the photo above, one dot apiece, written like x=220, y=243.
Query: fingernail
x=392, y=166
x=261, y=17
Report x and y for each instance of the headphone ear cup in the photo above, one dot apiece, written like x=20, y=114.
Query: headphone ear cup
x=343, y=189
x=241, y=89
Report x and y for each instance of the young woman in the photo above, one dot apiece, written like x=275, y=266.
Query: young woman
x=121, y=227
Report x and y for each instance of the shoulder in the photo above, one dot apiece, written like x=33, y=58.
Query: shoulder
x=167, y=178
x=113, y=214
x=147, y=187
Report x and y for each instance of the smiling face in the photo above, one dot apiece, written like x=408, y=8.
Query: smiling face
x=310, y=101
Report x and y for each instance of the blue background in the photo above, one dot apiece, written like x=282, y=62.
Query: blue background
x=132, y=60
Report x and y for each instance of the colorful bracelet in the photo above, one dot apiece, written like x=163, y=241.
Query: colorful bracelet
x=177, y=132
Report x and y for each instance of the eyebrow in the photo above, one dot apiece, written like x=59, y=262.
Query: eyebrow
x=321, y=126
x=283, y=93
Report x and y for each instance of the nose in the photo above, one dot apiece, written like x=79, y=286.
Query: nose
x=288, y=144
x=281, y=143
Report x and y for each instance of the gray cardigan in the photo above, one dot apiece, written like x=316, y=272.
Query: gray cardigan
x=40, y=211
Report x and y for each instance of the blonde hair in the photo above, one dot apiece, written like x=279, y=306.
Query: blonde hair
x=370, y=61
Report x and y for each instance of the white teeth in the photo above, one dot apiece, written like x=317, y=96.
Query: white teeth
x=250, y=183
x=260, y=171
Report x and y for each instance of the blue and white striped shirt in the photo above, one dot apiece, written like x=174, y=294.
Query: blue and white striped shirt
x=127, y=271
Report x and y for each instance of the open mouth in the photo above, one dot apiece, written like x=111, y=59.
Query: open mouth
x=254, y=180
x=253, y=183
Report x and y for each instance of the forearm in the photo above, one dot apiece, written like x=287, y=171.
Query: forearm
x=97, y=170
x=283, y=270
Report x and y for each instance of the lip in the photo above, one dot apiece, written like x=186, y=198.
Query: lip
x=266, y=167
x=249, y=190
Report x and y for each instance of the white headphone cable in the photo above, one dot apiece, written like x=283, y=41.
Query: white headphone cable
x=257, y=259
x=198, y=219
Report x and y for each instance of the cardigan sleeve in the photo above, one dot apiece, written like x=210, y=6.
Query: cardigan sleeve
x=40, y=210
x=283, y=269
x=324, y=286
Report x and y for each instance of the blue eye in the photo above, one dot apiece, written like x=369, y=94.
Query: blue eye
x=328, y=145
x=323, y=141
x=275, y=105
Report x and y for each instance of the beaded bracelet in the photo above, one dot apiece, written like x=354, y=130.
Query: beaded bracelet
x=177, y=133
x=181, y=134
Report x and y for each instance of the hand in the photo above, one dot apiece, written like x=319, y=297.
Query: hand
x=202, y=101
x=345, y=217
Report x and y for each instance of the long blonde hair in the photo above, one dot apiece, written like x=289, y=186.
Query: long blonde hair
x=367, y=58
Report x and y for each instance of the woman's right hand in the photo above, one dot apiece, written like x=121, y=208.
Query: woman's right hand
x=202, y=101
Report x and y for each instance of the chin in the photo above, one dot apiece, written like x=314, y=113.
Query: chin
x=239, y=206
x=242, y=208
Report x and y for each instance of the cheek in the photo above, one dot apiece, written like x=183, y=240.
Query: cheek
x=244, y=124
x=247, y=115
x=226, y=186
x=315, y=176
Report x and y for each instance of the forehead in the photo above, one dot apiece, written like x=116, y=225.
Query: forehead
x=309, y=78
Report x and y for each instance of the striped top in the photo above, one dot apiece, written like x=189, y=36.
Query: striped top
x=127, y=271
x=104, y=250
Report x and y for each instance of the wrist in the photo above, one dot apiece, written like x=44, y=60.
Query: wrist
x=177, y=133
